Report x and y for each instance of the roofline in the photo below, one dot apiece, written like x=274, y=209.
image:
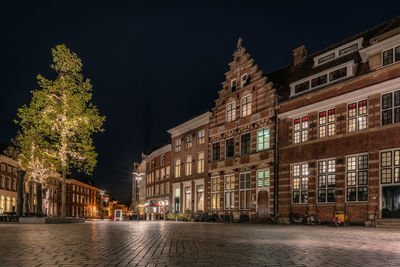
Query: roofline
x=158, y=152
x=191, y=124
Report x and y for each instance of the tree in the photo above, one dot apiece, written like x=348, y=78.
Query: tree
x=67, y=118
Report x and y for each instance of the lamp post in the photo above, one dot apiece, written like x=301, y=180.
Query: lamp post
x=138, y=178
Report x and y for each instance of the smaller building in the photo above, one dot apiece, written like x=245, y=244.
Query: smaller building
x=158, y=169
x=8, y=185
x=190, y=157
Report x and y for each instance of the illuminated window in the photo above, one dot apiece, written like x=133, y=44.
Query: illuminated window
x=188, y=169
x=244, y=191
x=327, y=123
x=300, y=183
x=201, y=137
x=391, y=107
x=262, y=139
x=390, y=167
x=263, y=178
x=189, y=140
x=177, y=145
x=326, y=180
x=230, y=112
x=357, y=178
x=300, y=129
x=245, y=106
x=200, y=162
x=357, y=114
x=215, y=193
x=229, y=192
x=177, y=168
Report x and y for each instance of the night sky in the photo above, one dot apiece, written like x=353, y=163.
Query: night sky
x=155, y=65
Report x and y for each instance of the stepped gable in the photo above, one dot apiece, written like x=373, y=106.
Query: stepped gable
x=291, y=73
x=242, y=64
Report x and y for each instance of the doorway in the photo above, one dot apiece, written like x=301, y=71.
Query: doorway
x=263, y=204
x=391, y=202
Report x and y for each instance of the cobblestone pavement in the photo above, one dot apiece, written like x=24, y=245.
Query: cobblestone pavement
x=106, y=243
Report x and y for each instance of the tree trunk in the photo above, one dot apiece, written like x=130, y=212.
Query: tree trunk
x=39, y=198
x=20, y=192
x=63, y=195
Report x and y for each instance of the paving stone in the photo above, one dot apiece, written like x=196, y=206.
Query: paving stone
x=106, y=243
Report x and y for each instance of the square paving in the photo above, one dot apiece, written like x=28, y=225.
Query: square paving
x=131, y=243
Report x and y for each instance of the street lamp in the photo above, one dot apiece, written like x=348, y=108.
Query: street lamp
x=138, y=178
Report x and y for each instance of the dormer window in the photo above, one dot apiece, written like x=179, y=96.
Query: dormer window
x=388, y=57
x=326, y=58
x=302, y=87
x=338, y=52
x=233, y=85
x=243, y=80
x=337, y=74
x=319, y=81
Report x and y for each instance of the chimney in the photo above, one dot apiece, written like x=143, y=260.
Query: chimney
x=299, y=54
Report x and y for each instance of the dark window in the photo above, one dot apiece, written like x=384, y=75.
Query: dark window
x=397, y=53
x=302, y=87
x=348, y=49
x=245, y=144
x=326, y=58
x=391, y=108
x=319, y=81
x=388, y=57
x=337, y=74
x=233, y=85
x=215, y=151
x=230, y=148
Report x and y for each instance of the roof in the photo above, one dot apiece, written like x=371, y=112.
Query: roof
x=283, y=77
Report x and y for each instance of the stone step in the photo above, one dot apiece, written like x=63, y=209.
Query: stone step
x=388, y=223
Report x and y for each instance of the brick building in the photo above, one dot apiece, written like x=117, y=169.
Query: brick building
x=189, y=160
x=242, y=131
x=8, y=185
x=158, y=169
x=339, y=134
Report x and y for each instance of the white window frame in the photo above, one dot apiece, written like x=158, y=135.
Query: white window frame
x=231, y=113
x=245, y=190
x=301, y=129
x=327, y=123
x=264, y=139
x=242, y=84
x=200, y=162
x=177, y=168
x=229, y=193
x=264, y=178
x=178, y=145
x=248, y=106
x=216, y=192
x=201, y=137
x=356, y=171
x=391, y=108
x=336, y=51
x=357, y=116
x=188, y=165
x=326, y=175
x=189, y=141
x=301, y=176
x=393, y=49
x=392, y=168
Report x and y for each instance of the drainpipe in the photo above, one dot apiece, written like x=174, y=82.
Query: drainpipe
x=276, y=161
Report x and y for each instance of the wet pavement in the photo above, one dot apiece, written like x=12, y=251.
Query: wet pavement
x=106, y=243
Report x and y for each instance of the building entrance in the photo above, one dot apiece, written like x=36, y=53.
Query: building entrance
x=391, y=202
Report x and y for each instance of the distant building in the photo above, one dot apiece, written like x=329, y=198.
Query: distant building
x=8, y=185
x=158, y=185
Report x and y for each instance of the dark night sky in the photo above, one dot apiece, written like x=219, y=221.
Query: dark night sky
x=155, y=65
